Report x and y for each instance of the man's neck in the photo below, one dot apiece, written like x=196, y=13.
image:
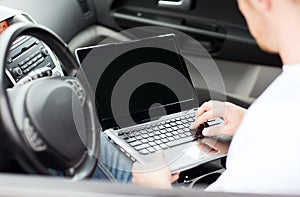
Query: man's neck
x=290, y=51
x=288, y=36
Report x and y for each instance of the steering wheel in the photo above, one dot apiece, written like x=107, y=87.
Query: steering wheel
x=49, y=123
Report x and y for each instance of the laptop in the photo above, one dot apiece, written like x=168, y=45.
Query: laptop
x=145, y=100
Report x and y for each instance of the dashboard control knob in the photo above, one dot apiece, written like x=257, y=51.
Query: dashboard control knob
x=17, y=72
x=49, y=73
x=44, y=52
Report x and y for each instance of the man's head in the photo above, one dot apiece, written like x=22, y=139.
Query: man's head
x=269, y=20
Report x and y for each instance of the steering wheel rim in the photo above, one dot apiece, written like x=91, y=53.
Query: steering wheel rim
x=22, y=152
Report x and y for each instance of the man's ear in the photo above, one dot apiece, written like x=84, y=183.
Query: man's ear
x=262, y=5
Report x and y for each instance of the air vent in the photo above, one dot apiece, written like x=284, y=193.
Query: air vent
x=84, y=7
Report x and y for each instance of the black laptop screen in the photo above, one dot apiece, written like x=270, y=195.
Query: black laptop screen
x=137, y=81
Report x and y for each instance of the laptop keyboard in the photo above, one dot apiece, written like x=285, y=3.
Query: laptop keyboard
x=162, y=135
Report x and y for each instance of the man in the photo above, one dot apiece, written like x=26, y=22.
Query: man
x=264, y=153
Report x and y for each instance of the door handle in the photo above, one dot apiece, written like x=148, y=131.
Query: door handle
x=179, y=4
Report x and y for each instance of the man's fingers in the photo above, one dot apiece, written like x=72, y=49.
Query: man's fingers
x=209, y=141
x=208, y=111
x=220, y=145
x=174, y=177
x=200, y=120
x=207, y=149
x=203, y=108
x=213, y=131
x=216, y=106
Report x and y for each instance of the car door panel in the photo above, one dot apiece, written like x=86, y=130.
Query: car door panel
x=223, y=33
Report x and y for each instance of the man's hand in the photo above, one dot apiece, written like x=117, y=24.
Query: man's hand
x=213, y=145
x=156, y=174
x=232, y=115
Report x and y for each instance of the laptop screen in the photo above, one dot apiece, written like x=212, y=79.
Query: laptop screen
x=137, y=81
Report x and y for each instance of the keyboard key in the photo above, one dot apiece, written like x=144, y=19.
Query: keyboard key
x=163, y=136
x=151, y=150
x=151, y=134
x=157, y=132
x=144, y=141
x=181, y=127
x=137, y=132
x=171, y=138
x=178, y=119
x=176, y=137
x=145, y=136
x=186, y=125
x=173, y=124
x=158, y=142
x=121, y=134
x=175, y=133
x=126, y=131
x=144, y=152
x=180, y=141
x=152, y=143
x=157, y=147
x=165, y=140
x=136, y=143
x=139, y=137
x=150, y=139
x=169, y=134
x=161, y=127
x=169, y=129
x=140, y=147
x=184, y=121
x=144, y=132
x=212, y=122
x=130, y=140
x=182, y=135
x=164, y=131
x=181, y=131
x=191, y=119
x=131, y=134
x=163, y=146
x=167, y=125
x=186, y=129
x=149, y=130
x=124, y=137
x=175, y=128
x=179, y=122
x=156, y=137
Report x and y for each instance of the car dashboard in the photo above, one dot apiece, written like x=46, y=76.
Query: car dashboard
x=28, y=57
